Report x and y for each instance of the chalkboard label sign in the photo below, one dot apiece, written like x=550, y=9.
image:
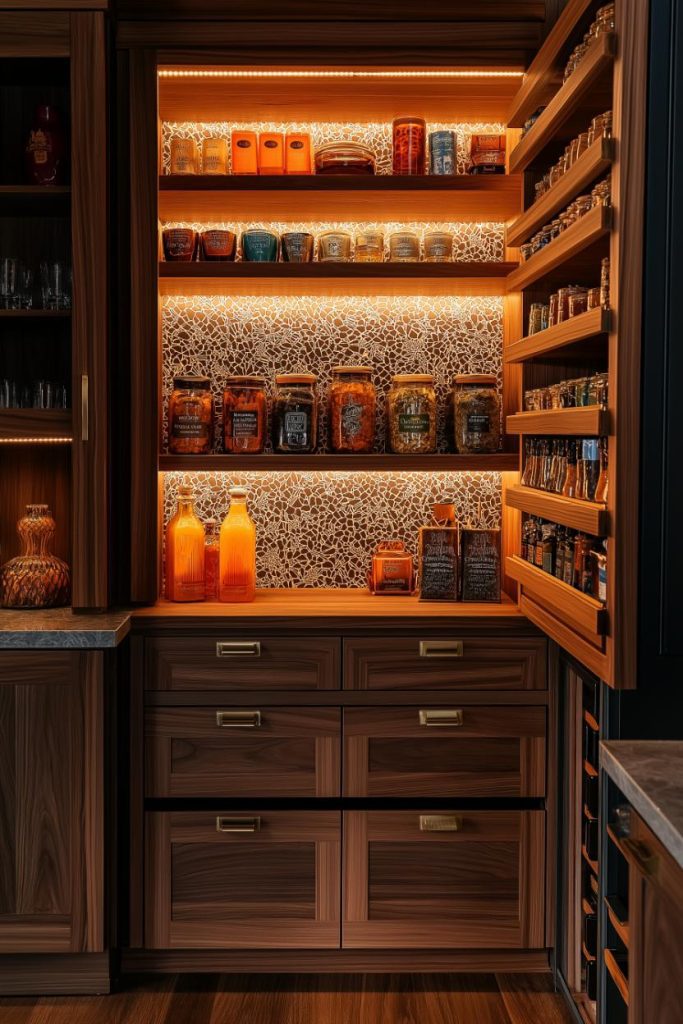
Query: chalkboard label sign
x=438, y=563
x=480, y=565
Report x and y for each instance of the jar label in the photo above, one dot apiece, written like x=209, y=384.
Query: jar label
x=351, y=419
x=296, y=144
x=270, y=144
x=413, y=423
x=296, y=427
x=245, y=423
x=478, y=423
x=244, y=143
x=189, y=425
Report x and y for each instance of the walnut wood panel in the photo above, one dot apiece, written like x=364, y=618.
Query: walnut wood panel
x=582, y=235
x=335, y=10
x=51, y=819
x=271, y=663
x=495, y=462
x=225, y=752
x=494, y=752
x=479, y=886
x=587, y=421
x=273, y=888
x=35, y=423
x=80, y=974
x=90, y=357
x=484, y=664
x=579, y=611
x=587, y=516
x=586, y=653
x=561, y=336
x=31, y=34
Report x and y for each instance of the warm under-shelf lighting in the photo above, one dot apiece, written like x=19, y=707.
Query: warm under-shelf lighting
x=36, y=440
x=285, y=73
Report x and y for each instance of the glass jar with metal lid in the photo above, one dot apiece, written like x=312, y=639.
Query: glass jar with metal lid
x=190, y=416
x=295, y=413
x=476, y=413
x=352, y=409
x=411, y=414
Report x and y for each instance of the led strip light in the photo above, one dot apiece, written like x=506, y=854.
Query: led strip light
x=240, y=73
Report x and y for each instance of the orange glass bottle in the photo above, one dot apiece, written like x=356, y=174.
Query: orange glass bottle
x=185, y=552
x=237, y=551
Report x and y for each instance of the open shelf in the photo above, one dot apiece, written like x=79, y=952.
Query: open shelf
x=616, y=974
x=585, y=93
x=618, y=919
x=502, y=462
x=35, y=314
x=586, y=516
x=587, y=421
x=590, y=720
x=580, y=611
x=590, y=165
x=25, y=425
x=34, y=200
x=577, y=329
x=592, y=864
x=582, y=234
x=313, y=271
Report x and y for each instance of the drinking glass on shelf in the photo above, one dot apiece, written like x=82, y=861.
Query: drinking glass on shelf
x=59, y=400
x=40, y=397
x=8, y=394
x=25, y=290
x=55, y=281
x=9, y=283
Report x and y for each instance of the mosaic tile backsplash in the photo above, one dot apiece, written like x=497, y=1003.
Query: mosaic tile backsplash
x=376, y=135
x=318, y=529
x=221, y=335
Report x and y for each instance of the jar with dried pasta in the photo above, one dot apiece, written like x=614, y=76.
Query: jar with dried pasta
x=476, y=413
x=411, y=414
x=352, y=409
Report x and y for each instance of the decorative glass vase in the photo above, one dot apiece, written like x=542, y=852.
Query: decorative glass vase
x=37, y=578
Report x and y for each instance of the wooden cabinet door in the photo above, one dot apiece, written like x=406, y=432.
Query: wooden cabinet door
x=431, y=879
x=655, y=930
x=51, y=830
x=242, y=880
x=444, y=751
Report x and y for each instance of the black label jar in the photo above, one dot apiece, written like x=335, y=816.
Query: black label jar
x=295, y=413
x=476, y=413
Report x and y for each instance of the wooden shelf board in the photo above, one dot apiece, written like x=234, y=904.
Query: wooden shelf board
x=580, y=611
x=587, y=1007
x=34, y=424
x=592, y=657
x=554, y=339
x=617, y=920
x=616, y=974
x=595, y=161
x=615, y=840
x=43, y=191
x=463, y=197
x=590, y=770
x=587, y=814
x=586, y=516
x=583, y=94
x=503, y=462
x=590, y=720
x=35, y=314
x=311, y=271
x=592, y=864
x=586, y=907
x=590, y=957
x=586, y=421
x=585, y=232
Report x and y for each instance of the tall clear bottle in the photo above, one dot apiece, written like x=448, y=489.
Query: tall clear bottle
x=185, y=552
x=237, y=551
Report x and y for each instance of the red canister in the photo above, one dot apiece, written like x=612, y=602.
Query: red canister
x=409, y=137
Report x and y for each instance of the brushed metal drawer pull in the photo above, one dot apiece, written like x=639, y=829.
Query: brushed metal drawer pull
x=645, y=861
x=238, y=824
x=440, y=823
x=442, y=716
x=441, y=649
x=238, y=649
x=238, y=719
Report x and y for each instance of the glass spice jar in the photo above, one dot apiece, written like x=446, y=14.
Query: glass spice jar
x=369, y=247
x=352, y=409
x=214, y=156
x=245, y=414
x=334, y=247
x=190, y=416
x=184, y=156
x=476, y=413
x=180, y=244
x=411, y=413
x=438, y=246
x=409, y=137
x=217, y=244
x=295, y=413
x=404, y=247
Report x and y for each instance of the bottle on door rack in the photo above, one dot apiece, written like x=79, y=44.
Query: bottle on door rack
x=185, y=552
x=237, y=551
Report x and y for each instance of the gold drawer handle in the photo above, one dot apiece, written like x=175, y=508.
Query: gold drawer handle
x=238, y=649
x=444, y=717
x=440, y=823
x=238, y=824
x=238, y=719
x=441, y=649
x=646, y=862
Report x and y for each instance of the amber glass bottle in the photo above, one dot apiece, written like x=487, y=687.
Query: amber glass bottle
x=237, y=551
x=185, y=552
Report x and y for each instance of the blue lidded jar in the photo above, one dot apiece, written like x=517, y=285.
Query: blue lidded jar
x=259, y=246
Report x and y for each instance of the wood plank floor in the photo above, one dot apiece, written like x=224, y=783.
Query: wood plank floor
x=306, y=999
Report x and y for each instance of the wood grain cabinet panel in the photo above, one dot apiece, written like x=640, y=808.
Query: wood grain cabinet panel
x=220, y=662
x=440, y=880
x=444, y=751
x=51, y=892
x=237, y=752
x=415, y=663
x=246, y=880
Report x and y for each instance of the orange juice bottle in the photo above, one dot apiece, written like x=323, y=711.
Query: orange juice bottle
x=185, y=552
x=237, y=551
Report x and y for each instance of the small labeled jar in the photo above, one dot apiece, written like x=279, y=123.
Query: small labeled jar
x=442, y=152
x=297, y=246
x=344, y=158
x=334, y=247
x=190, y=416
x=180, y=244
x=476, y=413
x=404, y=247
x=218, y=245
x=245, y=414
x=295, y=413
x=214, y=156
x=184, y=156
x=369, y=247
x=409, y=137
x=352, y=409
x=259, y=246
x=411, y=414
x=297, y=153
x=438, y=247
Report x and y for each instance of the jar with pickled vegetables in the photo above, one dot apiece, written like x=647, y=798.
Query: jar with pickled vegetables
x=411, y=414
x=190, y=417
x=352, y=409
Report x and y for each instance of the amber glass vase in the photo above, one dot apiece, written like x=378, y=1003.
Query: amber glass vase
x=238, y=551
x=36, y=578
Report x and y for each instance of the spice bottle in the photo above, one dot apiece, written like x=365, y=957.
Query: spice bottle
x=438, y=556
x=185, y=552
x=352, y=409
x=237, y=551
x=184, y=156
x=570, y=480
x=602, y=485
x=211, y=559
x=214, y=156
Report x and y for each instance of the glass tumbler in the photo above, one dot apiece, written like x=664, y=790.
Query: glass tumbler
x=55, y=282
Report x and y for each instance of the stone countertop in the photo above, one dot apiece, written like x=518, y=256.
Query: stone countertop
x=59, y=628
x=650, y=775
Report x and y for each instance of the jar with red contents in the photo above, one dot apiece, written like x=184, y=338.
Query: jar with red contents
x=409, y=139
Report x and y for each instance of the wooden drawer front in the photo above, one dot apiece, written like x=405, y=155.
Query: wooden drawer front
x=236, y=752
x=248, y=880
x=222, y=663
x=480, y=886
x=492, y=752
x=414, y=663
